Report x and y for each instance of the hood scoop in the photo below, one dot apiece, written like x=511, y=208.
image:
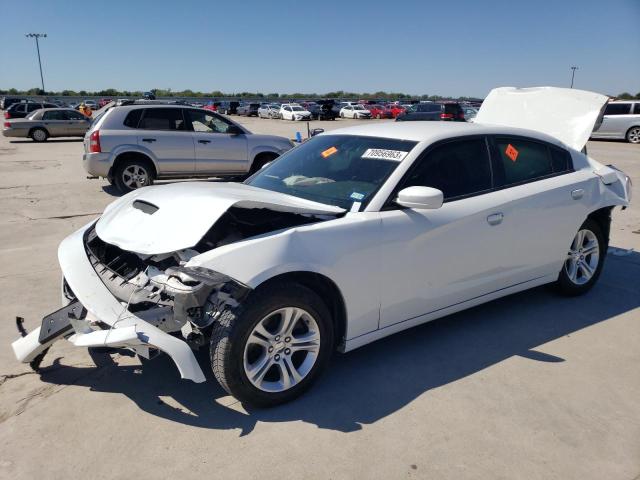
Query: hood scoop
x=145, y=207
x=167, y=218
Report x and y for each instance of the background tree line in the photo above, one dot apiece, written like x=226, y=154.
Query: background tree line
x=160, y=92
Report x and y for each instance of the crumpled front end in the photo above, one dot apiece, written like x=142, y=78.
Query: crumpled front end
x=117, y=298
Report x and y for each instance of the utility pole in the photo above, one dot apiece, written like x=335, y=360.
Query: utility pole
x=573, y=74
x=37, y=36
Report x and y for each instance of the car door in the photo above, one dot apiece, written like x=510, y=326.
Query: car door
x=163, y=132
x=438, y=258
x=217, y=152
x=77, y=124
x=55, y=122
x=615, y=121
x=545, y=203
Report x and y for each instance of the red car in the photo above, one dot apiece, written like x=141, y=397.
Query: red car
x=213, y=106
x=395, y=110
x=380, y=111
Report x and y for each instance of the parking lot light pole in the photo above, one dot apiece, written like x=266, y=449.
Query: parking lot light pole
x=37, y=36
x=573, y=74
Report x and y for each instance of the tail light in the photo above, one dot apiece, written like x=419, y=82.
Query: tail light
x=94, y=142
x=461, y=116
x=7, y=125
x=446, y=116
x=7, y=115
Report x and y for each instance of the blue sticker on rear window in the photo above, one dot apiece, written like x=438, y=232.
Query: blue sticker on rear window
x=357, y=196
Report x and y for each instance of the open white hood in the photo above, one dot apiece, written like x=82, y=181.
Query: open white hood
x=163, y=219
x=564, y=113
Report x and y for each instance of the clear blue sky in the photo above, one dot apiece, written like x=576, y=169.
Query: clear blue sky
x=462, y=47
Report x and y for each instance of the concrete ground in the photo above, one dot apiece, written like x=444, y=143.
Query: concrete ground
x=533, y=386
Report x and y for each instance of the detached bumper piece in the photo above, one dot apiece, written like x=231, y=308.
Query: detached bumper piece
x=95, y=318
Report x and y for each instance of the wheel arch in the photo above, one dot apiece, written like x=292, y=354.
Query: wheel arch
x=264, y=156
x=128, y=155
x=328, y=292
x=602, y=217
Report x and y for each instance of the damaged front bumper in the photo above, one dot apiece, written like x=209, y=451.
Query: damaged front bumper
x=96, y=317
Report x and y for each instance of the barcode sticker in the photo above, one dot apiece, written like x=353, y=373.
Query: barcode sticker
x=382, y=154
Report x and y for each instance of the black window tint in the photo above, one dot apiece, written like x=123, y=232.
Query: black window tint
x=636, y=109
x=618, y=109
x=33, y=106
x=429, y=107
x=162, y=119
x=523, y=160
x=74, y=115
x=457, y=168
x=133, y=118
x=560, y=160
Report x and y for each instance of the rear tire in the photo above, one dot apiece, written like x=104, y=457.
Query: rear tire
x=633, y=135
x=133, y=174
x=254, y=367
x=584, y=260
x=39, y=135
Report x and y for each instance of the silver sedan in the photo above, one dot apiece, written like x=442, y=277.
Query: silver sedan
x=48, y=122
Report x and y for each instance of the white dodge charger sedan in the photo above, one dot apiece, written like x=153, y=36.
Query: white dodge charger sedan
x=352, y=236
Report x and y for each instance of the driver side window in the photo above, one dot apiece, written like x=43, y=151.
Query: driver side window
x=459, y=168
x=202, y=121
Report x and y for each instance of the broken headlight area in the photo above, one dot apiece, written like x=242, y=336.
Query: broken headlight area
x=161, y=290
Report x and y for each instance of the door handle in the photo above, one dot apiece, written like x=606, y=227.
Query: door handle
x=148, y=140
x=495, y=218
x=204, y=141
x=577, y=194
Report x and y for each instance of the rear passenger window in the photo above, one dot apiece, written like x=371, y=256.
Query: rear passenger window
x=523, y=160
x=162, y=119
x=636, y=109
x=457, y=168
x=133, y=118
x=54, y=115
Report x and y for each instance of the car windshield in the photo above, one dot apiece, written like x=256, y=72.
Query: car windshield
x=336, y=170
x=297, y=109
x=358, y=107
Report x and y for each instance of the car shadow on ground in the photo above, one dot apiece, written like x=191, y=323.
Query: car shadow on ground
x=374, y=381
x=50, y=140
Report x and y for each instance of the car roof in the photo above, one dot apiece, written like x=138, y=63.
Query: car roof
x=433, y=131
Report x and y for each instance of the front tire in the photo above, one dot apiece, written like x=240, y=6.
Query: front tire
x=273, y=347
x=584, y=261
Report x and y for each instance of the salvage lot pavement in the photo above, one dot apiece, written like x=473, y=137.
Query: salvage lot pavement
x=530, y=386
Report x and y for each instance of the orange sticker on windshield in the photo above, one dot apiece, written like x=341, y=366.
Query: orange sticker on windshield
x=328, y=152
x=511, y=152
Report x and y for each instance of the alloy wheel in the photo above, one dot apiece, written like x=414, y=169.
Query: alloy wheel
x=135, y=176
x=281, y=349
x=583, y=257
x=634, y=135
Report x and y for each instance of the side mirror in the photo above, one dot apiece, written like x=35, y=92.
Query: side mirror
x=234, y=130
x=420, y=198
x=316, y=131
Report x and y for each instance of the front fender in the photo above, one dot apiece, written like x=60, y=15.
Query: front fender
x=352, y=262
